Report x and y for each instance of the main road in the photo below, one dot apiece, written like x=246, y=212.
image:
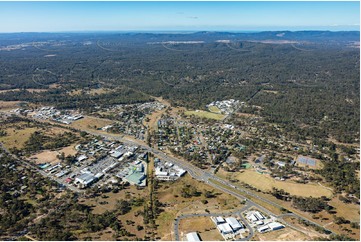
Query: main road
x=209, y=178
x=195, y=172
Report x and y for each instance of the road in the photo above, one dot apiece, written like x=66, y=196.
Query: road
x=194, y=171
x=207, y=177
x=179, y=218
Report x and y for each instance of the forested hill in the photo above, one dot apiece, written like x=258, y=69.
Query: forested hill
x=299, y=79
x=207, y=36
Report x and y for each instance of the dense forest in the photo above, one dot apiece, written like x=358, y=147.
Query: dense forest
x=300, y=79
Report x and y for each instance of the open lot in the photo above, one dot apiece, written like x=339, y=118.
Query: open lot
x=8, y=105
x=285, y=234
x=16, y=137
x=265, y=182
x=203, y=225
x=205, y=114
x=169, y=193
x=107, y=201
x=90, y=123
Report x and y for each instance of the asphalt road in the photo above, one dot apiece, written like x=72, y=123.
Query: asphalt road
x=194, y=171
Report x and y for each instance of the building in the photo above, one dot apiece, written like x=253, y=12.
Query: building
x=275, y=226
x=306, y=161
x=259, y=215
x=85, y=179
x=224, y=228
x=234, y=224
x=263, y=228
x=116, y=154
x=193, y=236
x=260, y=159
x=81, y=158
x=219, y=220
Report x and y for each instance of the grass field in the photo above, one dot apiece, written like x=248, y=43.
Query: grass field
x=16, y=137
x=111, y=198
x=8, y=105
x=266, y=182
x=203, y=225
x=205, y=114
x=91, y=123
x=214, y=109
x=169, y=193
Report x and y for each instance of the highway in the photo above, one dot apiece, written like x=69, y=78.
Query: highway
x=195, y=172
x=207, y=177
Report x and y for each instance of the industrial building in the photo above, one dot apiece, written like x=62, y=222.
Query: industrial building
x=85, y=179
x=193, y=236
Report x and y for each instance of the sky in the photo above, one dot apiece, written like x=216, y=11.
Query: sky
x=178, y=16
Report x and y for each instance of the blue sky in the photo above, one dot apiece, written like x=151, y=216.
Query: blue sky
x=177, y=16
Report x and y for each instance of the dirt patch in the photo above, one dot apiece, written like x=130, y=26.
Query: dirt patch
x=45, y=157
x=285, y=234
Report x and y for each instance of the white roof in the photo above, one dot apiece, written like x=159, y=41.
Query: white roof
x=275, y=225
x=252, y=217
x=220, y=219
x=259, y=215
x=225, y=228
x=233, y=223
x=263, y=228
x=193, y=236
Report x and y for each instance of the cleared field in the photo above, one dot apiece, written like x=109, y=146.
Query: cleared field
x=169, y=193
x=45, y=157
x=205, y=114
x=348, y=211
x=138, y=220
x=203, y=225
x=214, y=109
x=266, y=182
x=17, y=137
x=90, y=92
x=90, y=123
x=108, y=201
x=285, y=234
x=8, y=105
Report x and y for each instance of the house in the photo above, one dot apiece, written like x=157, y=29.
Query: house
x=281, y=164
x=193, y=236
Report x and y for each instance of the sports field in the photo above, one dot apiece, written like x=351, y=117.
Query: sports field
x=214, y=109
